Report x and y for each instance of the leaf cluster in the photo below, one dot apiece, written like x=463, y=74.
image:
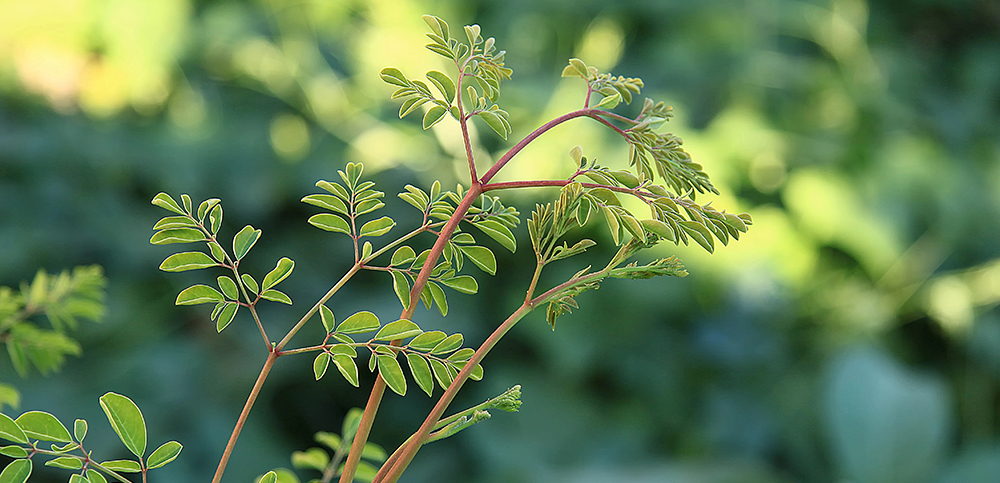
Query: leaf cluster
x=202, y=225
x=64, y=299
x=431, y=356
x=32, y=428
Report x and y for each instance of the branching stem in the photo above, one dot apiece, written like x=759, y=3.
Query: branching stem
x=271, y=357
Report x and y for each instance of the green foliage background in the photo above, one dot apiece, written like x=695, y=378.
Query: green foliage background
x=851, y=334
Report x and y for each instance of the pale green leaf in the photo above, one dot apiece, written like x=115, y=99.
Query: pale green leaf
x=482, y=257
x=226, y=315
x=80, y=429
x=244, y=241
x=359, y=323
x=276, y=296
x=65, y=462
x=377, y=227
x=328, y=202
x=43, y=426
x=447, y=345
x=94, y=477
x=10, y=431
x=494, y=122
x=164, y=200
x=326, y=316
x=401, y=287
x=180, y=262
x=177, y=235
x=437, y=293
x=345, y=364
x=320, y=363
x=399, y=329
x=250, y=283
x=402, y=255
x=17, y=471
x=443, y=84
x=126, y=420
x=427, y=340
x=198, y=294
x=433, y=115
x=421, y=373
x=394, y=76
x=174, y=222
x=282, y=270
x=499, y=232
x=228, y=287
x=699, y=233
x=463, y=283
x=14, y=451
x=392, y=373
x=330, y=222
x=122, y=466
x=166, y=453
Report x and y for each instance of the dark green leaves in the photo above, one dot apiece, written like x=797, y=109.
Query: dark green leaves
x=127, y=421
x=43, y=426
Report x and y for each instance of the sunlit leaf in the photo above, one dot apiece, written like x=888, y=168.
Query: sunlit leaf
x=43, y=426
x=174, y=222
x=402, y=288
x=482, y=257
x=126, y=420
x=17, y=471
x=281, y=271
x=443, y=84
x=80, y=429
x=166, y=453
x=447, y=345
x=463, y=283
x=494, y=122
x=94, y=477
x=226, y=315
x=347, y=367
x=328, y=202
x=10, y=431
x=65, y=462
x=441, y=373
x=699, y=233
x=198, y=294
x=276, y=296
x=164, y=200
x=244, y=241
x=392, y=373
x=180, y=262
x=433, y=115
x=421, y=372
x=377, y=227
x=320, y=363
x=326, y=316
x=122, y=466
x=177, y=235
x=359, y=323
x=439, y=297
x=399, y=329
x=427, y=340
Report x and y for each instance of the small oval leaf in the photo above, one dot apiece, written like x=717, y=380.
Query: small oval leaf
x=65, y=462
x=177, y=235
x=400, y=329
x=126, y=420
x=330, y=222
x=198, y=294
x=320, y=363
x=43, y=426
x=276, y=296
x=326, y=316
x=421, y=373
x=392, y=373
x=359, y=323
x=463, y=283
x=166, y=453
x=10, y=431
x=328, y=202
x=482, y=257
x=377, y=227
x=180, y=262
x=122, y=466
x=17, y=471
x=281, y=271
x=244, y=241
x=345, y=364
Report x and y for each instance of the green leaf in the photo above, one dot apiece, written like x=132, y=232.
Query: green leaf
x=276, y=296
x=244, y=241
x=451, y=343
x=65, y=462
x=10, y=431
x=326, y=202
x=186, y=201
x=402, y=288
x=180, y=262
x=326, y=316
x=402, y=255
x=345, y=364
x=699, y=233
x=229, y=288
x=174, y=222
x=215, y=219
x=226, y=316
x=217, y=252
x=334, y=188
x=74, y=478
x=659, y=228
x=330, y=222
x=80, y=429
x=394, y=76
x=282, y=270
x=331, y=440
x=634, y=227
x=177, y=235
x=166, y=453
x=580, y=68
x=312, y=459
x=421, y=372
x=427, y=340
x=400, y=329
x=164, y=200
x=122, y=466
x=610, y=101
x=462, y=355
x=206, y=206
x=463, y=283
x=493, y=121
x=441, y=373
x=499, y=232
x=269, y=477
x=439, y=26
x=377, y=227
x=437, y=293
x=126, y=420
x=433, y=115
x=613, y=225
x=359, y=323
x=374, y=452
x=482, y=257
x=14, y=451
x=320, y=363
x=392, y=373
x=198, y=294
x=17, y=471
x=43, y=426
x=443, y=84
x=250, y=283
x=94, y=477
x=366, y=250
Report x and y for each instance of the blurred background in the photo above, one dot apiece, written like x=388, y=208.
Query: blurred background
x=850, y=336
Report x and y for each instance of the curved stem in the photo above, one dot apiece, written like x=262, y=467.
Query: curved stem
x=378, y=389
x=271, y=357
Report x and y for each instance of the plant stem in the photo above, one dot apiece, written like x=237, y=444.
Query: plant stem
x=271, y=357
x=429, y=423
x=315, y=308
x=530, y=137
x=378, y=389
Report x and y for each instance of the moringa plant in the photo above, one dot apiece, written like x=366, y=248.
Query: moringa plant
x=441, y=250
